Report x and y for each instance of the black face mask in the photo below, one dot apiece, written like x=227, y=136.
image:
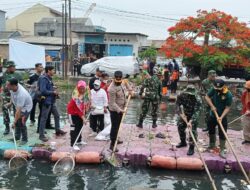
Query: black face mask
x=118, y=83
x=219, y=91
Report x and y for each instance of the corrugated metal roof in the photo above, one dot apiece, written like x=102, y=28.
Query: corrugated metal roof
x=44, y=40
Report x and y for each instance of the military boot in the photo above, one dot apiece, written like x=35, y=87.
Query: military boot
x=154, y=124
x=183, y=143
x=222, y=148
x=212, y=141
x=140, y=124
x=7, y=130
x=190, y=150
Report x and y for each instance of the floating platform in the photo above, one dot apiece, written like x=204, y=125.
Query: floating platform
x=139, y=147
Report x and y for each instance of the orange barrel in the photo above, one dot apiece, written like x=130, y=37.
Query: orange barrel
x=88, y=158
x=186, y=163
x=8, y=154
x=163, y=162
x=58, y=155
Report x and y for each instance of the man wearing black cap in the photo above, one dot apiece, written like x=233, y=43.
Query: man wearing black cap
x=8, y=74
x=117, y=103
x=98, y=75
x=219, y=98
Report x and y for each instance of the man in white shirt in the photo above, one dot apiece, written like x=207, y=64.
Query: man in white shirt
x=99, y=104
x=22, y=101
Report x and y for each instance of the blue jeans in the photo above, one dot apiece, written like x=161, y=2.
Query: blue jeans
x=44, y=115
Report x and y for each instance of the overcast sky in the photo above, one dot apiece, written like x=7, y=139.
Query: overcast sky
x=153, y=16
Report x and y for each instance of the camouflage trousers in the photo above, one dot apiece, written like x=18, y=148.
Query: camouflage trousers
x=145, y=107
x=182, y=130
x=6, y=117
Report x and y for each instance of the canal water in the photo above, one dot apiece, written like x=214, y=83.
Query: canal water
x=38, y=174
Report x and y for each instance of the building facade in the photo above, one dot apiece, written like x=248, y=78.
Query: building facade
x=110, y=43
x=24, y=22
x=53, y=27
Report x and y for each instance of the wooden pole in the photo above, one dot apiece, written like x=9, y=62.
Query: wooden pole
x=231, y=147
x=63, y=42
x=201, y=157
x=70, y=39
x=119, y=129
x=66, y=41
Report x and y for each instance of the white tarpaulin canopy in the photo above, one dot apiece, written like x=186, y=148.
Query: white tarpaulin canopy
x=127, y=64
x=25, y=55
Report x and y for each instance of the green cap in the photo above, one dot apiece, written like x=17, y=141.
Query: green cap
x=10, y=64
x=211, y=72
x=190, y=90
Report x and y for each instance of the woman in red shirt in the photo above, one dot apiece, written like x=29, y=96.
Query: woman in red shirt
x=245, y=99
x=76, y=112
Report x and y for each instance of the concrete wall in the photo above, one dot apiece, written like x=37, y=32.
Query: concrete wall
x=135, y=40
x=2, y=21
x=24, y=22
x=4, y=51
x=46, y=28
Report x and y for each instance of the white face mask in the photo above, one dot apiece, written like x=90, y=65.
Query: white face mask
x=96, y=87
x=105, y=81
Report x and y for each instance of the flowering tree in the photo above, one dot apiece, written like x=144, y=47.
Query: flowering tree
x=212, y=40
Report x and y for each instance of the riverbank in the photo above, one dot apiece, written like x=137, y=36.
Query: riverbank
x=137, y=151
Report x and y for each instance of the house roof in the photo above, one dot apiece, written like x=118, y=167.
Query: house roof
x=2, y=11
x=9, y=34
x=111, y=33
x=59, y=20
x=43, y=40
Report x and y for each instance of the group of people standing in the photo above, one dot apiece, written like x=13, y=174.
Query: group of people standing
x=214, y=95
x=41, y=90
x=105, y=95
x=102, y=95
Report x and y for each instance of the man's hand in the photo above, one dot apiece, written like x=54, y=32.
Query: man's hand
x=123, y=111
x=105, y=110
x=13, y=125
x=8, y=105
x=219, y=119
x=56, y=93
x=189, y=124
x=213, y=109
x=131, y=93
x=247, y=112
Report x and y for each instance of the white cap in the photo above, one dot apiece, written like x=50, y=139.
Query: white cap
x=97, y=82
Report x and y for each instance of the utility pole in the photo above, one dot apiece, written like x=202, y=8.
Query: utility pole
x=63, y=43
x=70, y=39
x=66, y=41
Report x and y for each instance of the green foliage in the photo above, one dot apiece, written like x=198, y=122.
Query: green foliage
x=215, y=61
x=150, y=53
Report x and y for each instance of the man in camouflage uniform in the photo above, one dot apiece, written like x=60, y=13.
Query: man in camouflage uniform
x=151, y=93
x=206, y=85
x=8, y=74
x=188, y=102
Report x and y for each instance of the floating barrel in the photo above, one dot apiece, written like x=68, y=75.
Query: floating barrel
x=163, y=162
x=8, y=154
x=186, y=163
x=58, y=155
x=88, y=158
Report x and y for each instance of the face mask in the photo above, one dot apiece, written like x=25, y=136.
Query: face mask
x=96, y=87
x=105, y=81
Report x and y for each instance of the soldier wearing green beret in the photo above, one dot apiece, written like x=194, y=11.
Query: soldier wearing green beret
x=206, y=85
x=188, y=104
x=8, y=74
